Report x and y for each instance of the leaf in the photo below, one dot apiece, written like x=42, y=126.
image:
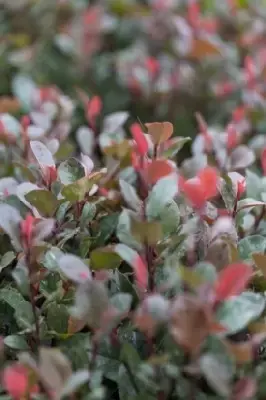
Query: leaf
x=114, y=122
x=44, y=201
x=232, y=280
x=86, y=139
x=9, y=222
x=140, y=139
x=136, y=262
x=130, y=195
x=206, y=271
x=173, y=146
x=88, y=213
x=251, y=244
x=242, y=157
x=123, y=230
x=105, y=229
x=7, y=259
x=253, y=183
x=51, y=259
x=57, y=317
x=216, y=374
x=70, y=171
x=104, y=258
x=55, y=369
x=169, y=218
x=10, y=124
x=149, y=232
x=228, y=192
x=24, y=88
x=122, y=302
x=204, y=47
x=74, y=268
x=125, y=387
x=159, y=169
x=16, y=342
x=160, y=131
x=74, y=382
x=260, y=261
x=76, y=191
x=161, y=195
x=23, y=189
x=249, y=204
x=42, y=154
x=237, y=312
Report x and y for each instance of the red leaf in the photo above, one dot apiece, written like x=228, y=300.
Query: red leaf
x=232, y=280
x=15, y=380
x=152, y=66
x=263, y=161
x=141, y=272
x=194, y=13
x=194, y=192
x=158, y=169
x=139, y=138
x=209, y=178
x=93, y=109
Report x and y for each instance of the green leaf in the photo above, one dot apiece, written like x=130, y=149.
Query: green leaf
x=216, y=373
x=248, y=204
x=104, y=258
x=161, y=195
x=74, y=383
x=251, y=244
x=57, y=317
x=130, y=195
x=9, y=222
x=237, y=312
x=61, y=211
x=122, y=302
x=23, y=309
x=76, y=191
x=16, y=342
x=44, y=201
x=123, y=230
x=253, y=185
x=169, y=218
x=228, y=193
x=7, y=259
x=176, y=145
x=206, y=271
x=51, y=259
x=126, y=388
x=105, y=229
x=70, y=171
x=88, y=213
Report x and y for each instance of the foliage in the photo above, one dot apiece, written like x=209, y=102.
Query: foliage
x=128, y=269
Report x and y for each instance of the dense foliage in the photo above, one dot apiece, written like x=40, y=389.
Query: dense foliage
x=132, y=257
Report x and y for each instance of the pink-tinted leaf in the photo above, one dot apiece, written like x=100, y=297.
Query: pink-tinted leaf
x=74, y=268
x=42, y=154
x=232, y=280
x=158, y=169
x=141, y=141
x=136, y=262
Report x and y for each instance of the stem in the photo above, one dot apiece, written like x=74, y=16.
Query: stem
x=33, y=306
x=36, y=319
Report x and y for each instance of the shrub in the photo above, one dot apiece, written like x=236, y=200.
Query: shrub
x=132, y=258
x=135, y=279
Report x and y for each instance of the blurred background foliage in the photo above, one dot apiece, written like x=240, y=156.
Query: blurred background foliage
x=158, y=59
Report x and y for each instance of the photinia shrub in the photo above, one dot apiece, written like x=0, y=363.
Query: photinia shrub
x=132, y=258
x=127, y=273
